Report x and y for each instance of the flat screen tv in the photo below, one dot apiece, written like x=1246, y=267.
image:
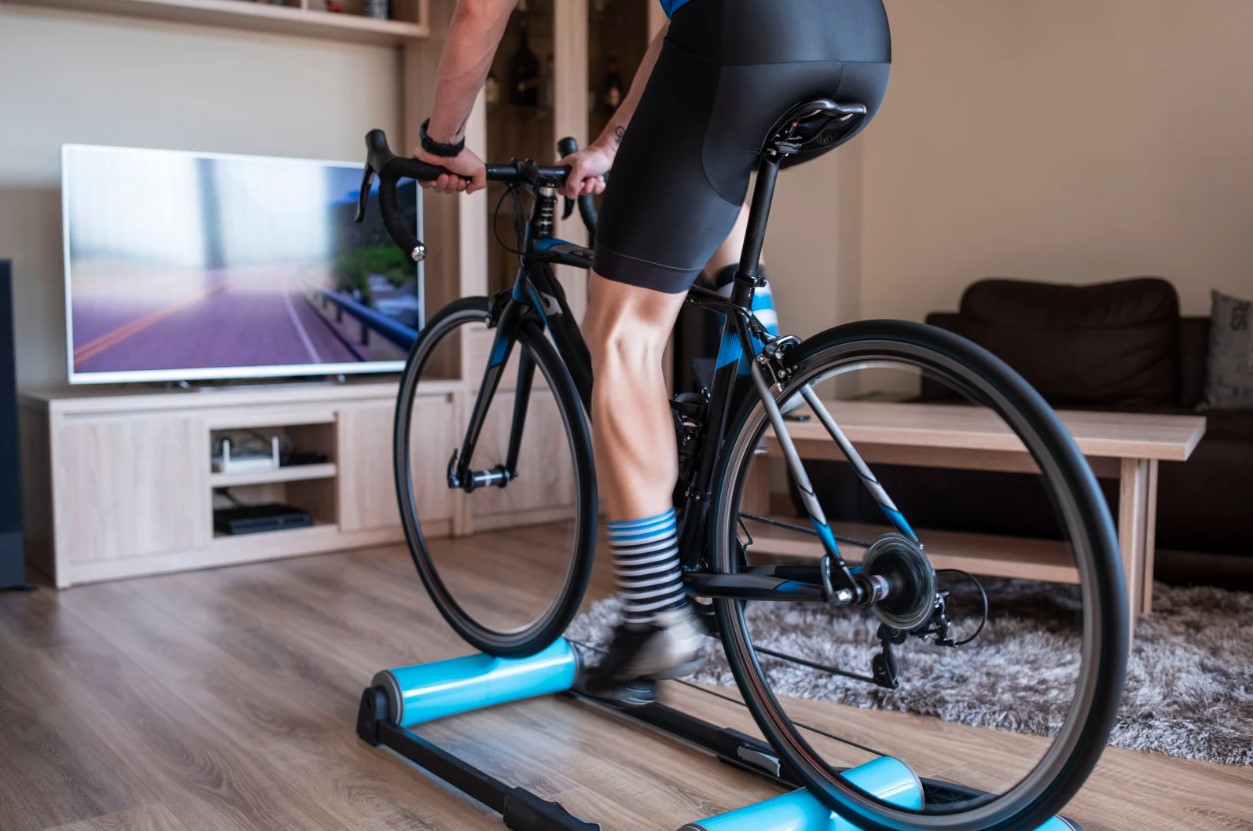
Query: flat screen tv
x=192, y=266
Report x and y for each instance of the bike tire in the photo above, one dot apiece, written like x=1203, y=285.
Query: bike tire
x=1062, y=771
x=546, y=628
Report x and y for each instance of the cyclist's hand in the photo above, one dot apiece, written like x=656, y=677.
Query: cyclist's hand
x=465, y=164
x=587, y=171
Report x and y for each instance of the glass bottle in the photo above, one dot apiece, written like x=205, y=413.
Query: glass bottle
x=524, y=69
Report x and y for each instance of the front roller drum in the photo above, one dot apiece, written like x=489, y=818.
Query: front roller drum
x=425, y=692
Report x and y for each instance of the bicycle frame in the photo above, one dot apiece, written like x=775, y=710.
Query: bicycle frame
x=537, y=299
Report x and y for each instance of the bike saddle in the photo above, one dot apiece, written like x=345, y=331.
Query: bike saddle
x=812, y=128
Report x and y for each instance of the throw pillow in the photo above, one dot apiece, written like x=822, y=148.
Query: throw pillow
x=1229, y=369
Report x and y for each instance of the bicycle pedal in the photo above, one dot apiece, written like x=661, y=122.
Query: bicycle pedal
x=630, y=695
x=637, y=694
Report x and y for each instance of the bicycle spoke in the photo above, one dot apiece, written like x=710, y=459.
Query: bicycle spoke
x=830, y=670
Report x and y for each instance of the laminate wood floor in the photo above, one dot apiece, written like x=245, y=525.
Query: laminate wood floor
x=226, y=699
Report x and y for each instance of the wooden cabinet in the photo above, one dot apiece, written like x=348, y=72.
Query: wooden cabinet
x=367, y=490
x=128, y=486
x=121, y=484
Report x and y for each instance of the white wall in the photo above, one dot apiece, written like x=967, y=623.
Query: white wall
x=1062, y=140
x=813, y=246
x=76, y=78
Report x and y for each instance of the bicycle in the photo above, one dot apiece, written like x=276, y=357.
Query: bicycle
x=895, y=585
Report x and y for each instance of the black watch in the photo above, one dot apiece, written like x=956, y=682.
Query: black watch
x=435, y=148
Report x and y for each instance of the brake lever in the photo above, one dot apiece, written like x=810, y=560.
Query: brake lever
x=363, y=200
x=568, y=208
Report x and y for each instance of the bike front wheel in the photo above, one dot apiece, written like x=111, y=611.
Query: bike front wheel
x=1059, y=649
x=505, y=552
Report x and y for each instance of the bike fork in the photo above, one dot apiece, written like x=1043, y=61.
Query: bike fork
x=459, y=473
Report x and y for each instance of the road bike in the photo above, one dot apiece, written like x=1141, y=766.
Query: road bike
x=517, y=467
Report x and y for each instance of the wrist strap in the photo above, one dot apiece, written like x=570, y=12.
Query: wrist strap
x=436, y=148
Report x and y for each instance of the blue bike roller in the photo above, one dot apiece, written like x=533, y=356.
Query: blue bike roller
x=887, y=778
x=426, y=692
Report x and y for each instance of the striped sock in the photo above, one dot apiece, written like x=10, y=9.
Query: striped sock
x=646, y=560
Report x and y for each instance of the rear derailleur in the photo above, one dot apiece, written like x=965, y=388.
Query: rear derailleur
x=883, y=664
x=901, y=587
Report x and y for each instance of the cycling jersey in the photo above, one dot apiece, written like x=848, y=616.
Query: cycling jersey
x=671, y=6
x=729, y=69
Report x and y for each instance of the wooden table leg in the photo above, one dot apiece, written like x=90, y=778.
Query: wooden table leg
x=1132, y=526
x=1150, y=540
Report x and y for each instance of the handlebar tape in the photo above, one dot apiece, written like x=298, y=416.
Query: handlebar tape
x=587, y=204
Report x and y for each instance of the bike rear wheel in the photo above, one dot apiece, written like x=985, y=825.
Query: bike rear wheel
x=536, y=517
x=815, y=741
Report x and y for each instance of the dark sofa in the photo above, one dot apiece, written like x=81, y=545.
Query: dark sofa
x=1114, y=346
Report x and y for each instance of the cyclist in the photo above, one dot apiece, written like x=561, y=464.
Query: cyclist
x=683, y=144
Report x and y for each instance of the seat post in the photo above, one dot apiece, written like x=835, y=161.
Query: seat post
x=758, y=214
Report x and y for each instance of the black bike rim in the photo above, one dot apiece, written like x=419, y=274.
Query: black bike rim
x=1061, y=770
x=544, y=629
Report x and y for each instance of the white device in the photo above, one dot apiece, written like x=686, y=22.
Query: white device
x=247, y=461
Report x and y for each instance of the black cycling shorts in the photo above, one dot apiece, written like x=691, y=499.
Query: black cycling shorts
x=727, y=72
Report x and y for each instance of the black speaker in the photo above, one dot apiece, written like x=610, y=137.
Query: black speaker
x=12, y=545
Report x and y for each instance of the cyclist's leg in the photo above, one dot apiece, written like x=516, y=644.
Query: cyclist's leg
x=727, y=255
x=626, y=328
x=681, y=177
x=660, y=223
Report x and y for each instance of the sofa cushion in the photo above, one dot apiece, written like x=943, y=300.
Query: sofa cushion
x=1193, y=357
x=1107, y=345
x=1229, y=370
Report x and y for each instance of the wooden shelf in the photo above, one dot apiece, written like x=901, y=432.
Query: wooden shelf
x=987, y=554
x=294, y=473
x=255, y=17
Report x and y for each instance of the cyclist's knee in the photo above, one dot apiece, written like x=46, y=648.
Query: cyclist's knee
x=626, y=321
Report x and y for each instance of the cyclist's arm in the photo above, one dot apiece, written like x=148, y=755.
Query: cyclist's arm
x=611, y=136
x=474, y=33
x=589, y=166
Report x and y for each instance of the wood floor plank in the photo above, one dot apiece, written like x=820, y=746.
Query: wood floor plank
x=209, y=780
x=143, y=818
x=295, y=730
x=53, y=769
x=226, y=699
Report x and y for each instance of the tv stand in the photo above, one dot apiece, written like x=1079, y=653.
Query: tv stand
x=119, y=483
x=332, y=380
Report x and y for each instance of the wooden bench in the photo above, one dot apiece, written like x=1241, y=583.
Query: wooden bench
x=1125, y=446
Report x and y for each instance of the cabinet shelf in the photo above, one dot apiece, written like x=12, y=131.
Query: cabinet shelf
x=255, y=17
x=294, y=473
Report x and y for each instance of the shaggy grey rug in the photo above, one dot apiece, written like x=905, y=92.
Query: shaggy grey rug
x=1189, y=686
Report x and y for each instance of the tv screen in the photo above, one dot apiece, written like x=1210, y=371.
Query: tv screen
x=187, y=266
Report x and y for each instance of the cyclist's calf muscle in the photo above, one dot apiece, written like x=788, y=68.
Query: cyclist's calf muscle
x=626, y=329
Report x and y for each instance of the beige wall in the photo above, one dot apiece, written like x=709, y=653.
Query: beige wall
x=76, y=78
x=1065, y=140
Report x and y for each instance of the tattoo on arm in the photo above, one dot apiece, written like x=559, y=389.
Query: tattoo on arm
x=618, y=132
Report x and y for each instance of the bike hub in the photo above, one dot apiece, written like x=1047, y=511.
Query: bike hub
x=899, y=582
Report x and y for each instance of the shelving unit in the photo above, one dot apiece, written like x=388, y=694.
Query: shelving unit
x=120, y=483
x=304, y=18
x=294, y=473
